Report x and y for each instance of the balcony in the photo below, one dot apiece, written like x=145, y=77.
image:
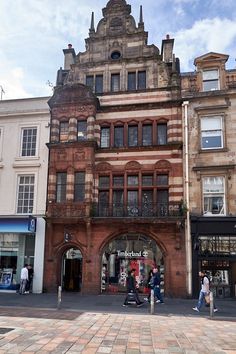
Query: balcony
x=147, y=210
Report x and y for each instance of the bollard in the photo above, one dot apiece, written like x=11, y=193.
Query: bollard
x=152, y=307
x=59, y=298
x=211, y=304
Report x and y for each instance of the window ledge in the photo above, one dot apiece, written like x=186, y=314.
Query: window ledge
x=204, y=151
x=25, y=164
x=26, y=158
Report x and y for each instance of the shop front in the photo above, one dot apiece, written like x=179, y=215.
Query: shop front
x=126, y=252
x=19, y=245
x=214, y=250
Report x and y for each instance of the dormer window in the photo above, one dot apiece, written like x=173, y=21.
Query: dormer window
x=115, y=55
x=210, y=80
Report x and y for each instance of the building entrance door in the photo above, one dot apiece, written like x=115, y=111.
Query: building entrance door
x=72, y=270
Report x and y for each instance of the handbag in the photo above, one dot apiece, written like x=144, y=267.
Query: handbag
x=207, y=298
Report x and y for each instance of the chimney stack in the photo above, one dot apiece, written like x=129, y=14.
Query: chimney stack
x=69, y=58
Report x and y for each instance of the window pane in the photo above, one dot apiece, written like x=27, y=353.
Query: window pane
x=210, y=75
x=118, y=200
x=210, y=85
x=64, y=131
x=104, y=182
x=213, y=195
x=61, y=187
x=103, y=203
x=147, y=180
x=119, y=137
x=162, y=180
x=132, y=205
x=118, y=181
x=162, y=202
x=89, y=81
x=25, y=198
x=132, y=180
x=210, y=80
x=28, y=145
x=82, y=130
x=147, y=135
x=79, y=188
x=147, y=203
x=161, y=134
x=211, y=131
x=115, y=82
x=133, y=135
x=99, y=84
x=131, y=81
x=141, y=80
x=105, y=137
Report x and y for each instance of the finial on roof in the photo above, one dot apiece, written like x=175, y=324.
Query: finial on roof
x=141, y=23
x=92, y=29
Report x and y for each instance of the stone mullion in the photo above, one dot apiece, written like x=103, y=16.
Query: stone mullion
x=88, y=185
x=70, y=184
x=73, y=129
x=90, y=127
x=55, y=130
x=97, y=134
x=52, y=185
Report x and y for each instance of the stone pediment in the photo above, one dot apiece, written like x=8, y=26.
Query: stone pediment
x=73, y=94
x=211, y=57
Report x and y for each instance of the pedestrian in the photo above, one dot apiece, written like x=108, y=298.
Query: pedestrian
x=205, y=290
x=132, y=293
x=149, y=285
x=157, y=285
x=24, y=276
x=28, y=287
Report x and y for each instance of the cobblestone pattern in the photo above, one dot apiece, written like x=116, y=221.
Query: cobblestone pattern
x=90, y=333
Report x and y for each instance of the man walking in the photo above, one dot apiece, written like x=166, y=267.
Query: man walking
x=132, y=294
x=157, y=286
x=24, y=276
x=205, y=290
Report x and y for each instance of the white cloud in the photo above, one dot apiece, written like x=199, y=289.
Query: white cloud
x=216, y=35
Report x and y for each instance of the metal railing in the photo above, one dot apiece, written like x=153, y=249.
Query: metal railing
x=147, y=210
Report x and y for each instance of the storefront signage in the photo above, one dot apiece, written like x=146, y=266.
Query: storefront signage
x=132, y=254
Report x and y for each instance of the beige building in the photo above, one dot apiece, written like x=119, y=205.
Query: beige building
x=209, y=95
x=24, y=132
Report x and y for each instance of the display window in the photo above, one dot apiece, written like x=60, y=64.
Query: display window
x=15, y=251
x=129, y=251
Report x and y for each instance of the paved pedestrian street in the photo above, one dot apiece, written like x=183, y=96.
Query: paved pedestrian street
x=58, y=331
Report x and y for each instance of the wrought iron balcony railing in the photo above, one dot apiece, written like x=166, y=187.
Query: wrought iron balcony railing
x=147, y=210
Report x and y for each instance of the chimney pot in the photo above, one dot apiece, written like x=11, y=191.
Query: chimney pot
x=69, y=46
x=167, y=36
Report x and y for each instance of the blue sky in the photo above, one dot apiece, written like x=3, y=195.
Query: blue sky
x=34, y=32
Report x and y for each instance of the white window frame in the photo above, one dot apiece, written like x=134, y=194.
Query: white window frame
x=23, y=128
x=211, y=191
x=31, y=206
x=210, y=132
x=210, y=76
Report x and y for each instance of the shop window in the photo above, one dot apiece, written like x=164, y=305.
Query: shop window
x=211, y=132
x=79, y=188
x=213, y=196
x=28, y=141
x=61, y=187
x=25, y=195
x=82, y=129
x=147, y=135
x=64, y=131
x=133, y=135
x=210, y=80
x=115, y=82
x=105, y=137
x=119, y=136
x=162, y=134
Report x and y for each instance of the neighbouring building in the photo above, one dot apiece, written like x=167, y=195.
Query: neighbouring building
x=24, y=132
x=210, y=101
x=115, y=183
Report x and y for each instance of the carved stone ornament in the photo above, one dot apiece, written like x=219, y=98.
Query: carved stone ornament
x=79, y=155
x=163, y=164
x=132, y=165
x=103, y=166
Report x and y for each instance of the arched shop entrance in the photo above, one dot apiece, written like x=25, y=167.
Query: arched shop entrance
x=126, y=252
x=71, y=270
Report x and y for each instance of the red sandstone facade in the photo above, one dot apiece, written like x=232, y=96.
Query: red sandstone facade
x=115, y=182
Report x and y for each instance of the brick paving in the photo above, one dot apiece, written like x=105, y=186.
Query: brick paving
x=59, y=331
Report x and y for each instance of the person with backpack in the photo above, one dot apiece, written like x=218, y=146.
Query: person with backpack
x=205, y=290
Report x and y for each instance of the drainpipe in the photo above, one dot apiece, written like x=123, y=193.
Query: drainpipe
x=188, y=243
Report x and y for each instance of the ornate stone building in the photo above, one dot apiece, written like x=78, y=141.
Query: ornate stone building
x=210, y=98
x=115, y=182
